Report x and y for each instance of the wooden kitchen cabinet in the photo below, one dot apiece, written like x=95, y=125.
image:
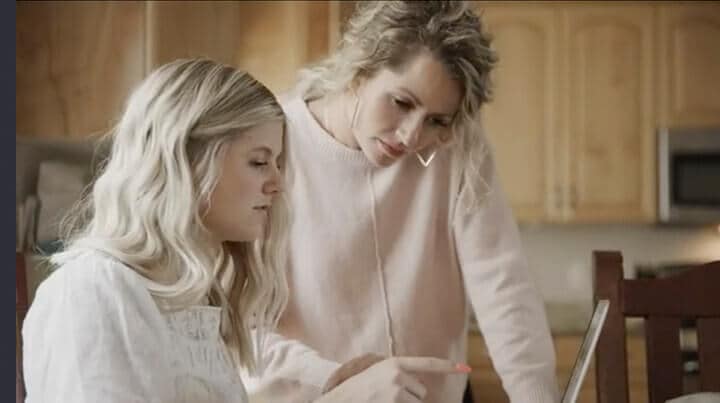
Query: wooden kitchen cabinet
x=75, y=64
x=689, y=64
x=271, y=40
x=522, y=120
x=609, y=120
x=573, y=118
x=580, y=88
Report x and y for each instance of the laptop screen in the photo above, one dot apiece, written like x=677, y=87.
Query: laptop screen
x=582, y=362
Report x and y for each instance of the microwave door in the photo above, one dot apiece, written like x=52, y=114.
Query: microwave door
x=689, y=177
x=696, y=180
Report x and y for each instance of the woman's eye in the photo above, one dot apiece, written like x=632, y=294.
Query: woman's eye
x=258, y=163
x=401, y=103
x=439, y=123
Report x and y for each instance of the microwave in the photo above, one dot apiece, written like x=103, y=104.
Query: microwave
x=689, y=176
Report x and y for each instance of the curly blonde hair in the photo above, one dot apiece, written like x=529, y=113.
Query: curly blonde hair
x=388, y=34
x=146, y=205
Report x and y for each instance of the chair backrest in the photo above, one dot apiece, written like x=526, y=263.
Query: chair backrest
x=664, y=303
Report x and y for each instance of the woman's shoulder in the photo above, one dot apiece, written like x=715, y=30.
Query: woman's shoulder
x=91, y=273
x=91, y=290
x=297, y=115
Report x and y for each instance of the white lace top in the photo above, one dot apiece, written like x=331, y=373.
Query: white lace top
x=94, y=334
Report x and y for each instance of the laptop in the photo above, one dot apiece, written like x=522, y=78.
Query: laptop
x=582, y=362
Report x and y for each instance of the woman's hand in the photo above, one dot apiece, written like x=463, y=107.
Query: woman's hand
x=390, y=380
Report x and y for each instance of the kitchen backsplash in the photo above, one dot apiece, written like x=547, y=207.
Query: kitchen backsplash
x=561, y=255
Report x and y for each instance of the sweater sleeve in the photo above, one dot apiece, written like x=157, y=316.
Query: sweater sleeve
x=291, y=371
x=91, y=335
x=507, y=305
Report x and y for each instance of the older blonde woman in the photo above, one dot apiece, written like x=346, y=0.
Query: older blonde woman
x=399, y=218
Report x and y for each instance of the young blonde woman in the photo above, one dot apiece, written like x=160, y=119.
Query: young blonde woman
x=171, y=278
x=399, y=219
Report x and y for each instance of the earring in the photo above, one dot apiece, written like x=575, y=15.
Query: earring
x=355, y=112
x=423, y=161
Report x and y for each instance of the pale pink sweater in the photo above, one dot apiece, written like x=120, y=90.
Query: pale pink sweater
x=382, y=261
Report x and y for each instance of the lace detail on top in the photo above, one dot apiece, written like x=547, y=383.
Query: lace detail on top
x=206, y=373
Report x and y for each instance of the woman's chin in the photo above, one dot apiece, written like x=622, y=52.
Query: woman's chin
x=245, y=235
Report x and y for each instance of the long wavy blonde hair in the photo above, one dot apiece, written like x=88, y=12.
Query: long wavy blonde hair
x=387, y=34
x=146, y=205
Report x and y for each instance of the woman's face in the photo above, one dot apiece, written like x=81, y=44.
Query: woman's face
x=400, y=113
x=248, y=183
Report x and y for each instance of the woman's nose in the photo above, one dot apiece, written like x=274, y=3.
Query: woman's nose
x=272, y=188
x=275, y=184
x=411, y=132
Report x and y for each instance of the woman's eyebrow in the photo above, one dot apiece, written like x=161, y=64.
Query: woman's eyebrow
x=263, y=149
x=416, y=100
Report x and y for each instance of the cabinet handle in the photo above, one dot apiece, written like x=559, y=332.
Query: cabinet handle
x=573, y=196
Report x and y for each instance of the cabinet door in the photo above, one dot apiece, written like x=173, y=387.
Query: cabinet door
x=689, y=62
x=180, y=29
x=521, y=120
x=75, y=63
x=251, y=35
x=610, y=117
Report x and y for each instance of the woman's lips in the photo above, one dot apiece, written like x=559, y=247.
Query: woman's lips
x=261, y=209
x=391, y=151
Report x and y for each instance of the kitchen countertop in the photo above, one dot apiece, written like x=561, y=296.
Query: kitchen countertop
x=568, y=317
x=572, y=318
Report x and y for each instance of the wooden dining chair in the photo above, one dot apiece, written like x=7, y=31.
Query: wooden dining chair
x=663, y=303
